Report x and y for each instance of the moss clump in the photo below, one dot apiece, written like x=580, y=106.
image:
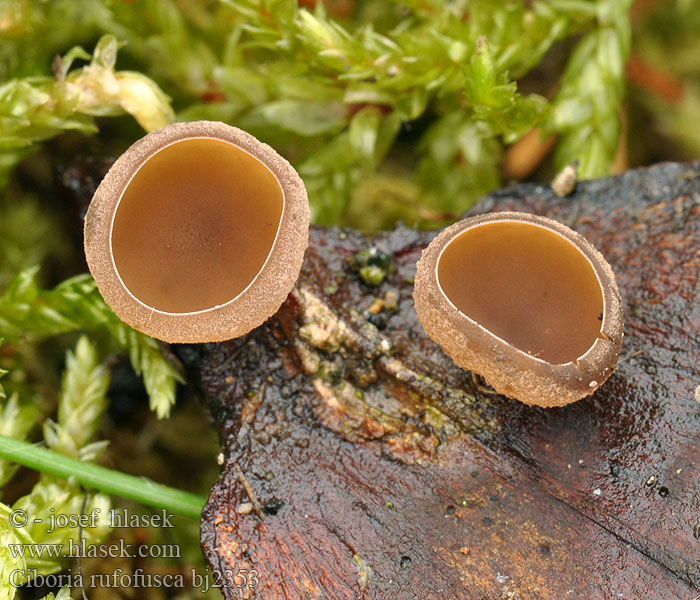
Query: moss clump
x=372, y=275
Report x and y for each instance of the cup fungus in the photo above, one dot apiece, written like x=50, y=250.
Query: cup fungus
x=197, y=233
x=524, y=301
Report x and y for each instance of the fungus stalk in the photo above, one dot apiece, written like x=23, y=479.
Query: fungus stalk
x=524, y=301
x=197, y=233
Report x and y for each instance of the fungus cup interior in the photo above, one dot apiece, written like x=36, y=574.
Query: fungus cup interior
x=195, y=225
x=527, y=285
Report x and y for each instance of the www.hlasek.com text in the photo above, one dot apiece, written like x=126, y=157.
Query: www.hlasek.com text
x=72, y=549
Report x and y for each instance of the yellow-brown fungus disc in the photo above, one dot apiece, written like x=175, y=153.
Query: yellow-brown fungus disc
x=524, y=301
x=197, y=233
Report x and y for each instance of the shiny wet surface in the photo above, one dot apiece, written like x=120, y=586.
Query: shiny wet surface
x=380, y=470
x=195, y=225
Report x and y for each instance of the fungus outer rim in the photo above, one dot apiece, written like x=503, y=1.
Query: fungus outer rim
x=266, y=292
x=508, y=369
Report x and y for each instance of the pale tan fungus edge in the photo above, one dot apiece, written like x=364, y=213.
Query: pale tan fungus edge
x=259, y=301
x=507, y=369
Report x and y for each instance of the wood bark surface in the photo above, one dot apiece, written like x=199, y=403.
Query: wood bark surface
x=360, y=462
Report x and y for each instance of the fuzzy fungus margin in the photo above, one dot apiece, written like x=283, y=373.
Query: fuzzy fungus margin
x=507, y=368
x=268, y=288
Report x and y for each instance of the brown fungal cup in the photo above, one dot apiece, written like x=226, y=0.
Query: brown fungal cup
x=524, y=301
x=197, y=233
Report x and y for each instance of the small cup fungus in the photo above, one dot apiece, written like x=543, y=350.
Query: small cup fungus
x=524, y=301
x=197, y=233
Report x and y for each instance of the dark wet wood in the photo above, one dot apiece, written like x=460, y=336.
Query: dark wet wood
x=382, y=471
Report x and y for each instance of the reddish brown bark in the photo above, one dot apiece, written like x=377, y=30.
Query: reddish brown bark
x=383, y=471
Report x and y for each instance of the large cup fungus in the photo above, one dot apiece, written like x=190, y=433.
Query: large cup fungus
x=197, y=233
x=524, y=301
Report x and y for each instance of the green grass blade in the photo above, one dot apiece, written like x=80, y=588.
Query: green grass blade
x=108, y=481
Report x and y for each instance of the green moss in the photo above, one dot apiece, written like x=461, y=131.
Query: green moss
x=372, y=275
